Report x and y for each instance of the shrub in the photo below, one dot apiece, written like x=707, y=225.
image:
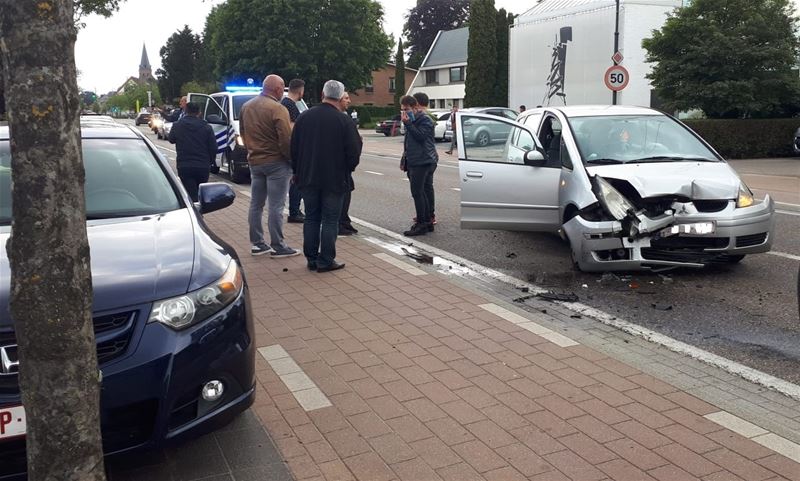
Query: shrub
x=748, y=138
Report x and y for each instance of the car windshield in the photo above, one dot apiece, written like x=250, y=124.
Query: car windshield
x=620, y=139
x=123, y=179
x=238, y=101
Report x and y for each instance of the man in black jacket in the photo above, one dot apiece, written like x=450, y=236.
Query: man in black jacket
x=325, y=151
x=196, y=148
x=419, y=159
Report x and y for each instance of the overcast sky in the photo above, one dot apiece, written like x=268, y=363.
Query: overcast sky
x=108, y=49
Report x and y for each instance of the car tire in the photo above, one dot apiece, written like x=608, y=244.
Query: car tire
x=482, y=138
x=237, y=176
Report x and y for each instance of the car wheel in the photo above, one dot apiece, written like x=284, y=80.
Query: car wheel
x=237, y=176
x=734, y=259
x=482, y=139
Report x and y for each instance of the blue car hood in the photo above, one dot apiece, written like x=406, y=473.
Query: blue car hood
x=134, y=260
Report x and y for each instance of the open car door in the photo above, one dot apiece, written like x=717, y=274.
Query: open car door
x=505, y=180
x=213, y=113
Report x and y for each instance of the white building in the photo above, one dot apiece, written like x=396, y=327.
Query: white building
x=559, y=51
x=441, y=75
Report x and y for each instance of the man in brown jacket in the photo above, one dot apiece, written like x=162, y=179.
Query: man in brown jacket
x=264, y=126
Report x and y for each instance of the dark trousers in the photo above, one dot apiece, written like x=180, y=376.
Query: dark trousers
x=191, y=178
x=321, y=226
x=294, y=200
x=418, y=178
x=344, y=217
x=429, y=192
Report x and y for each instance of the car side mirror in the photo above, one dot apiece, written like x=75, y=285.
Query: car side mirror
x=215, y=119
x=214, y=196
x=534, y=158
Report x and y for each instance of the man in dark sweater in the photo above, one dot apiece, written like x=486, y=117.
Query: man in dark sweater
x=196, y=148
x=296, y=90
x=419, y=160
x=325, y=151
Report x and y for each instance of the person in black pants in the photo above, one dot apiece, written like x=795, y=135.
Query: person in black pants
x=423, y=101
x=297, y=88
x=196, y=148
x=345, y=223
x=419, y=160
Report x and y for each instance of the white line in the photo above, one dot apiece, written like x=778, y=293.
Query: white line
x=299, y=384
x=780, y=445
x=752, y=375
x=371, y=172
x=528, y=325
x=168, y=150
x=783, y=254
x=758, y=434
x=786, y=212
x=402, y=265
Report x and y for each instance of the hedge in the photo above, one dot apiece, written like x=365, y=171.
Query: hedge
x=748, y=138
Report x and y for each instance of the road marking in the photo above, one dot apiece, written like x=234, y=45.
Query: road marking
x=756, y=433
x=402, y=265
x=372, y=172
x=786, y=212
x=299, y=384
x=164, y=148
x=476, y=270
x=528, y=325
x=783, y=254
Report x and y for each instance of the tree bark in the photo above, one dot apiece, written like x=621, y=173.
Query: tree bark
x=51, y=285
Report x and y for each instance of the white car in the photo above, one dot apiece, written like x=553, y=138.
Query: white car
x=630, y=188
x=440, y=130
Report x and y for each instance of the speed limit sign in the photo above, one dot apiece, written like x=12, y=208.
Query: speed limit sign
x=616, y=78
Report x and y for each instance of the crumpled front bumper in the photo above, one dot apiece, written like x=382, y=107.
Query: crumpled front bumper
x=608, y=245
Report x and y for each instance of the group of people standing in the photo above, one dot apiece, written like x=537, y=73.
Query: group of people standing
x=310, y=156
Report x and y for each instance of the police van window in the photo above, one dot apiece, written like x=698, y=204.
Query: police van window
x=214, y=110
x=222, y=100
x=238, y=101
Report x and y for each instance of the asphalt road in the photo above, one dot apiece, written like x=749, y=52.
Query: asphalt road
x=746, y=312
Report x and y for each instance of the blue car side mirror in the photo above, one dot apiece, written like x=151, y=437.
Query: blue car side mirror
x=214, y=196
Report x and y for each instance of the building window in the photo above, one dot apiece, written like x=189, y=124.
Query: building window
x=457, y=74
x=369, y=88
x=431, y=77
x=391, y=84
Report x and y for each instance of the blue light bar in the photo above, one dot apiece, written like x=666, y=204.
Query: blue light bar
x=241, y=88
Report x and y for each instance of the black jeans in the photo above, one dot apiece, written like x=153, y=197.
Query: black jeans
x=191, y=178
x=294, y=200
x=419, y=178
x=321, y=226
x=429, y=192
x=344, y=217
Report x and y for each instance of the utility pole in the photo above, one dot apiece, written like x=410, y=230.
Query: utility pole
x=616, y=49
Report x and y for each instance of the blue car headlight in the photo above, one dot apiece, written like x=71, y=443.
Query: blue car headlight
x=183, y=311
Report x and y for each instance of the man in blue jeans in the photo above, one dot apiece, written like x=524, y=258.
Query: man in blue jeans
x=325, y=151
x=264, y=125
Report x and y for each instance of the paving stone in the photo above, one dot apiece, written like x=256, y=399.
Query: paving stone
x=479, y=456
x=369, y=467
x=392, y=449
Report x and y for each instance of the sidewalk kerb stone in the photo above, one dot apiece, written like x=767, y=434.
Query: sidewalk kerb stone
x=530, y=326
x=780, y=445
x=304, y=390
x=736, y=424
x=402, y=265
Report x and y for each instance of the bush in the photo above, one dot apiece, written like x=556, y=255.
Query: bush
x=376, y=113
x=748, y=138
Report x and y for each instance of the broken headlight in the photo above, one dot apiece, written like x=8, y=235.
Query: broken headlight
x=611, y=199
x=745, y=197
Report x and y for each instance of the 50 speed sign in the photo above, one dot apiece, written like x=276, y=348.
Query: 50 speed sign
x=616, y=78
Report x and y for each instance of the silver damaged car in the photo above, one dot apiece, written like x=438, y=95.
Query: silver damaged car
x=630, y=188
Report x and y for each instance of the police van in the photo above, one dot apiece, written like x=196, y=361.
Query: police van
x=222, y=110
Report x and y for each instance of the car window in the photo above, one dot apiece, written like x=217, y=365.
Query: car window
x=238, y=101
x=631, y=138
x=222, y=100
x=550, y=138
x=123, y=178
x=510, y=114
x=214, y=110
x=532, y=121
x=444, y=116
x=495, y=140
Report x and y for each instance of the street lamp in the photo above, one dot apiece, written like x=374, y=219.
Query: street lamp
x=616, y=49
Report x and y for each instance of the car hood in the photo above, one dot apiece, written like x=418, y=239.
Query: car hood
x=694, y=180
x=134, y=260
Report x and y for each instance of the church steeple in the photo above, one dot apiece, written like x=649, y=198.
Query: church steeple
x=145, y=71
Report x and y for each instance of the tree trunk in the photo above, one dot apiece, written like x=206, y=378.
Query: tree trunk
x=51, y=285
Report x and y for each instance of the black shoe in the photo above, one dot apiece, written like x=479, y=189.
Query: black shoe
x=296, y=219
x=344, y=230
x=417, y=229
x=333, y=267
x=430, y=227
x=312, y=266
x=350, y=227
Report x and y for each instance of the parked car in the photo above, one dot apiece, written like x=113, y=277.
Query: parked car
x=628, y=187
x=796, y=143
x=440, y=129
x=171, y=308
x=143, y=118
x=484, y=133
x=389, y=127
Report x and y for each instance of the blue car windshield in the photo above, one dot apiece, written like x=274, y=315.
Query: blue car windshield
x=636, y=138
x=123, y=178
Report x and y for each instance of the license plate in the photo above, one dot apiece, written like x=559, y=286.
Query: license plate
x=12, y=422
x=697, y=228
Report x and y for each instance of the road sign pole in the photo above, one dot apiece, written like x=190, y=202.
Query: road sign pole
x=616, y=49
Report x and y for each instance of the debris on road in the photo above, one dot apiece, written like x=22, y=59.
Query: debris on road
x=511, y=255
x=558, y=296
x=662, y=307
x=423, y=258
x=524, y=298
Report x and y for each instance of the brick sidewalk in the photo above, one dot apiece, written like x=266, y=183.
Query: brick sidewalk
x=385, y=371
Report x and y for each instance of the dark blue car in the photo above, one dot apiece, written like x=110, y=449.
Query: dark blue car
x=172, y=314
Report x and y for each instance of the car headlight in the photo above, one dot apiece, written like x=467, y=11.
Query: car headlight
x=611, y=199
x=745, y=198
x=182, y=311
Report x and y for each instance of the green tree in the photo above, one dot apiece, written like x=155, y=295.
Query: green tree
x=424, y=22
x=138, y=92
x=399, y=73
x=198, y=87
x=730, y=58
x=179, y=59
x=341, y=39
x=504, y=20
x=481, y=54
x=204, y=71
x=48, y=250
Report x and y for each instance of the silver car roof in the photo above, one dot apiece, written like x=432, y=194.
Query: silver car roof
x=94, y=130
x=593, y=110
